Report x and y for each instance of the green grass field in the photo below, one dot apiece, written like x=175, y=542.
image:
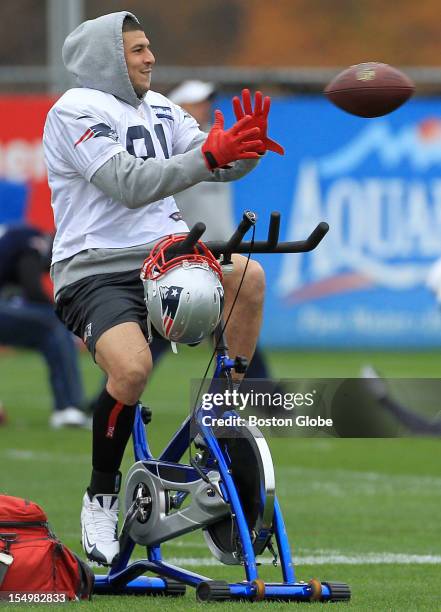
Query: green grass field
x=365, y=512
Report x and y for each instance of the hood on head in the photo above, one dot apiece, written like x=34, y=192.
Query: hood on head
x=94, y=54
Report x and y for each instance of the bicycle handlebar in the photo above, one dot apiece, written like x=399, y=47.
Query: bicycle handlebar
x=235, y=244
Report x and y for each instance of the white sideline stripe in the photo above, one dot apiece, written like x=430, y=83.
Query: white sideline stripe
x=375, y=478
x=324, y=559
x=369, y=559
x=181, y=544
x=29, y=455
x=316, y=476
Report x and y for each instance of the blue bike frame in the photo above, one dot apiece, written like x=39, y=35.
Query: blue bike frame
x=127, y=577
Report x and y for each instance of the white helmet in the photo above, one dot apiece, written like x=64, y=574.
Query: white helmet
x=184, y=296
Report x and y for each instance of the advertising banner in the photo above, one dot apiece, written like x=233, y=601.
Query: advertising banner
x=377, y=182
x=24, y=192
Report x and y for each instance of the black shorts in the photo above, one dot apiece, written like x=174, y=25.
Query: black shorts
x=97, y=303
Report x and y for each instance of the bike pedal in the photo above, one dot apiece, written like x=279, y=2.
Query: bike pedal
x=199, y=442
x=146, y=415
x=240, y=364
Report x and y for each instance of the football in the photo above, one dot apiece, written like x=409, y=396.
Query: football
x=370, y=89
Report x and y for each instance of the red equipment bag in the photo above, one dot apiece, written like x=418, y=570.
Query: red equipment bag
x=32, y=559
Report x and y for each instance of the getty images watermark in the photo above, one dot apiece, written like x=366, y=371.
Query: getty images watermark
x=252, y=401
x=364, y=407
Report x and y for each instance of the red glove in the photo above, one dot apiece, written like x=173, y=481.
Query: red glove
x=225, y=146
x=259, y=116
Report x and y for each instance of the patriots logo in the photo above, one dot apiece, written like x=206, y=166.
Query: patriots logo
x=170, y=297
x=95, y=131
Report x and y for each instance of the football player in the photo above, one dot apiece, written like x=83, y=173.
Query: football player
x=116, y=152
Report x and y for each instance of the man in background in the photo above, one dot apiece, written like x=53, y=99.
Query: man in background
x=415, y=422
x=209, y=202
x=28, y=320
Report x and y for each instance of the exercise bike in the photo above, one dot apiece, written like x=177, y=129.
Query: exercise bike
x=228, y=486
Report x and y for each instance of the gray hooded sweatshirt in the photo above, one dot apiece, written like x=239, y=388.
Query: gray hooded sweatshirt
x=94, y=54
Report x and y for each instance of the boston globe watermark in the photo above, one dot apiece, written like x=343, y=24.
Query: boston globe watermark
x=281, y=408
x=366, y=407
x=253, y=401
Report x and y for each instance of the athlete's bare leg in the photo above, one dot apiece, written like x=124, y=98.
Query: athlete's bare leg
x=123, y=353
x=244, y=325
